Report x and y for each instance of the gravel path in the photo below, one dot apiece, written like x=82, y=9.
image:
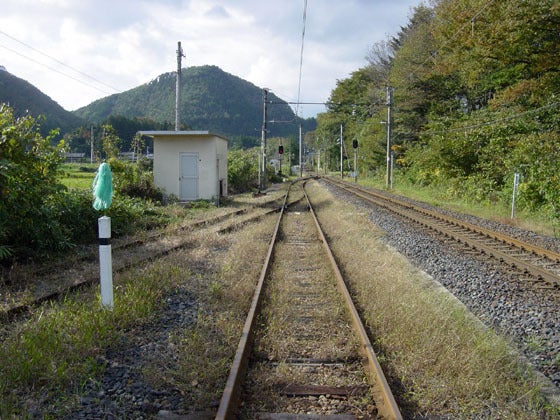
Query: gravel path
x=529, y=316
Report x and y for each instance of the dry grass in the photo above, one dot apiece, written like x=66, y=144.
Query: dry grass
x=443, y=359
x=49, y=355
x=226, y=270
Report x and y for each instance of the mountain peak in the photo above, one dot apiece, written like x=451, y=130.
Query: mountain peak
x=211, y=99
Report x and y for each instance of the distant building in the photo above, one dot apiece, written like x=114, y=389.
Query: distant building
x=190, y=164
x=74, y=157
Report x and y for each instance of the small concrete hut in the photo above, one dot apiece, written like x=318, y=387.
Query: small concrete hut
x=190, y=164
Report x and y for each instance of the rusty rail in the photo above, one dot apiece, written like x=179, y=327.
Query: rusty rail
x=434, y=220
x=386, y=405
x=229, y=404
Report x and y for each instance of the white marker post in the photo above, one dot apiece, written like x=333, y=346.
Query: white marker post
x=105, y=262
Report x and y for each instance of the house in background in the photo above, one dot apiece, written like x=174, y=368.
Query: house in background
x=190, y=164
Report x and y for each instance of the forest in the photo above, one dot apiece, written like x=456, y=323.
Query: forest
x=475, y=87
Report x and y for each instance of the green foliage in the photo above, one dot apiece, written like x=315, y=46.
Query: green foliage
x=39, y=215
x=211, y=100
x=26, y=99
x=243, y=170
x=111, y=142
x=29, y=187
x=475, y=101
x=132, y=179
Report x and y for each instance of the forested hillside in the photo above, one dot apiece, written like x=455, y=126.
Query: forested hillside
x=475, y=100
x=211, y=99
x=24, y=98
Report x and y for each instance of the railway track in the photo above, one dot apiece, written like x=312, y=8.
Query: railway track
x=542, y=265
x=304, y=351
x=54, y=281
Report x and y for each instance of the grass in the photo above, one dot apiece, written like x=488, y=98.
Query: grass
x=46, y=359
x=206, y=350
x=438, y=196
x=443, y=359
x=58, y=347
x=79, y=175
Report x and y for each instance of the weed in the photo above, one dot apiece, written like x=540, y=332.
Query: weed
x=431, y=345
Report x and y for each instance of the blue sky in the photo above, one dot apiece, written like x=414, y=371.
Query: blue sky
x=79, y=51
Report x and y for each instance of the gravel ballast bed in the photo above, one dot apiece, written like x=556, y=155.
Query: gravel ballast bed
x=525, y=314
x=123, y=391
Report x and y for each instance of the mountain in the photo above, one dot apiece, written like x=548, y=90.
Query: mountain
x=25, y=98
x=211, y=99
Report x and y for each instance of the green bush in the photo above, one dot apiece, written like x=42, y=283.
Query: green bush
x=29, y=188
x=242, y=170
x=135, y=180
x=39, y=215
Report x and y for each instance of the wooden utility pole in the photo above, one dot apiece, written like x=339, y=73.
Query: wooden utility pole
x=388, y=182
x=263, y=140
x=91, y=141
x=178, y=84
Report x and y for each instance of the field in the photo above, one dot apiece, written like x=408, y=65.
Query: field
x=79, y=175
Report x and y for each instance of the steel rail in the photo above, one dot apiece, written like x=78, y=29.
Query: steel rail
x=386, y=404
x=524, y=266
x=230, y=398
x=534, y=249
x=13, y=311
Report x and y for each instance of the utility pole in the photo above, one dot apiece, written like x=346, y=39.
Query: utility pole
x=300, y=147
x=341, y=154
x=388, y=181
x=91, y=141
x=178, y=84
x=263, y=140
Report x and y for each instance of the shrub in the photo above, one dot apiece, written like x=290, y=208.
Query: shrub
x=29, y=187
x=242, y=170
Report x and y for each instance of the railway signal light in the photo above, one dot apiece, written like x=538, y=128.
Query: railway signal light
x=280, y=150
x=355, y=144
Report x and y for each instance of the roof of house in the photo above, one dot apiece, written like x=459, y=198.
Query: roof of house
x=181, y=134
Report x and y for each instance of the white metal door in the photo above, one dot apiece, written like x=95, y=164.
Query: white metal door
x=188, y=181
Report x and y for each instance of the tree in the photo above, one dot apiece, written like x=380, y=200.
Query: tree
x=29, y=187
x=111, y=142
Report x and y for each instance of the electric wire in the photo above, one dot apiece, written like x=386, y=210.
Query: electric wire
x=301, y=55
x=55, y=70
x=451, y=38
x=57, y=61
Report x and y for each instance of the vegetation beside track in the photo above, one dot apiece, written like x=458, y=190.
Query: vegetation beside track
x=440, y=196
x=444, y=362
x=46, y=359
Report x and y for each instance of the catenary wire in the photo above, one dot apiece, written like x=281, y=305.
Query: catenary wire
x=55, y=70
x=57, y=61
x=301, y=55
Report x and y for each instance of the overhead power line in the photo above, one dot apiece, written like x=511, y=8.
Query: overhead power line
x=301, y=53
x=470, y=22
x=498, y=120
x=55, y=70
x=59, y=62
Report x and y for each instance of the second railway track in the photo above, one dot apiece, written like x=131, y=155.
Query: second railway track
x=55, y=280
x=540, y=264
x=307, y=351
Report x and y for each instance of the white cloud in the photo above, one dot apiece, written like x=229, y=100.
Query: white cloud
x=126, y=43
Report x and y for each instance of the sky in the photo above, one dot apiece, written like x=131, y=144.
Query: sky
x=77, y=51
